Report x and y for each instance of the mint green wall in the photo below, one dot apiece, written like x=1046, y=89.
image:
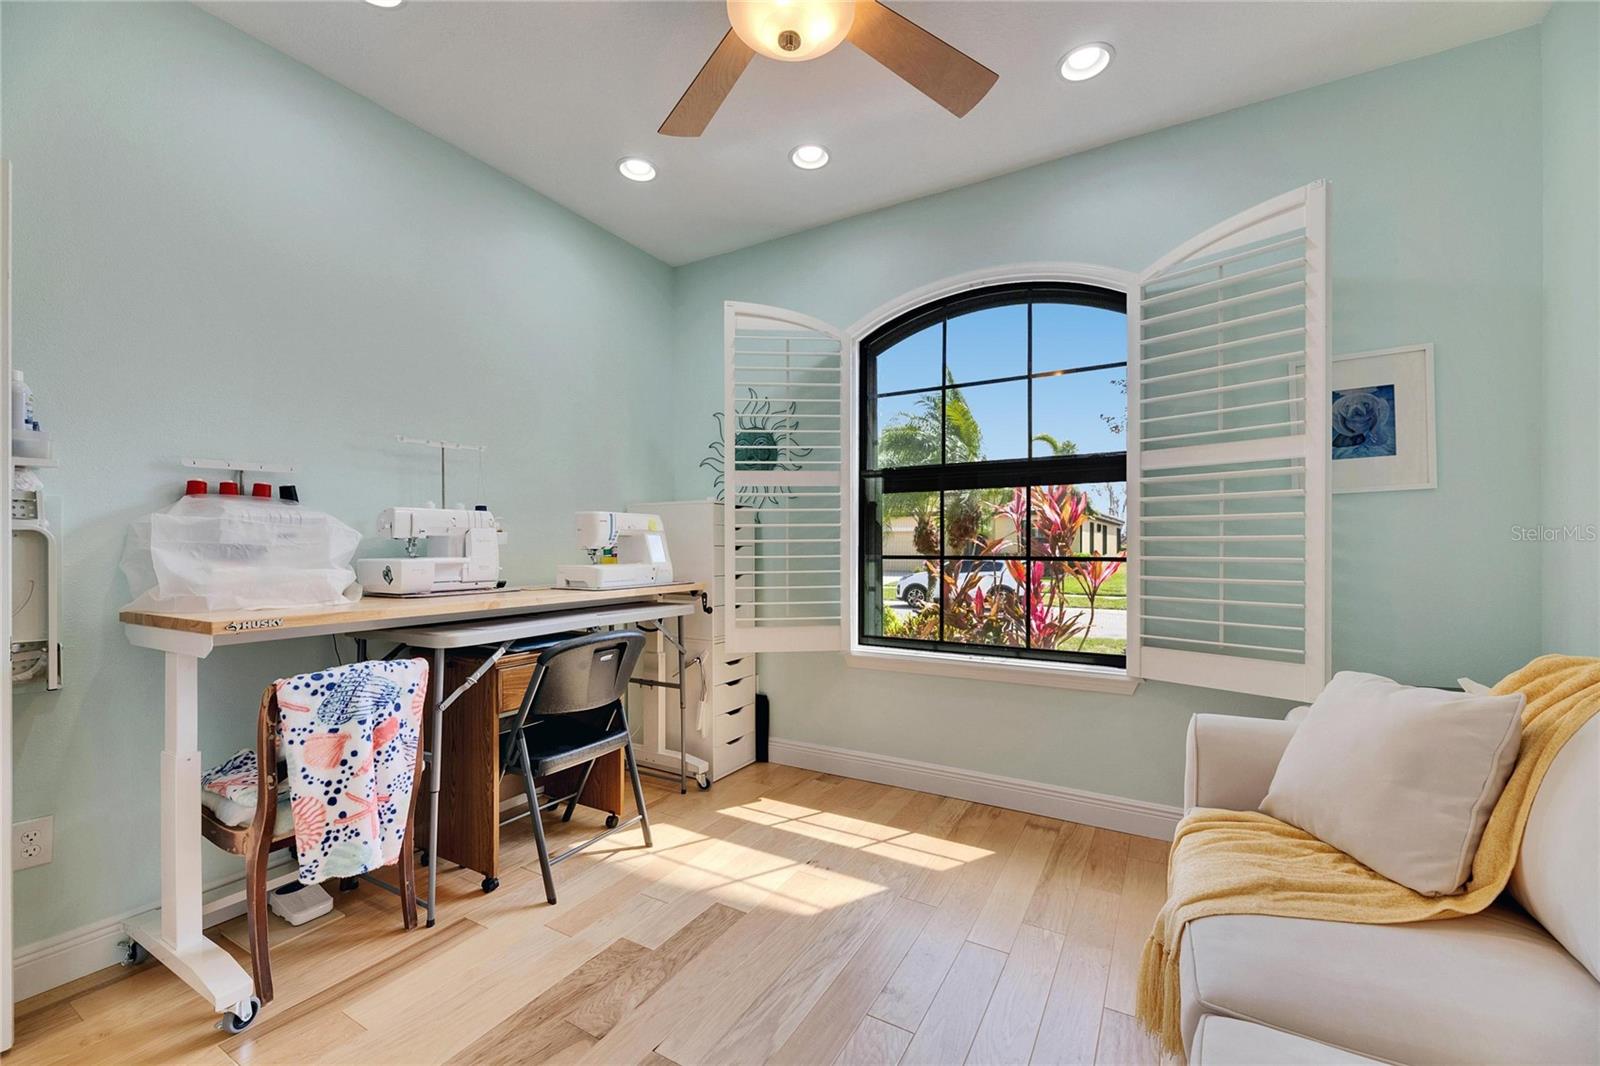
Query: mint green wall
x=1571, y=564
x=219, y=252
x=1435, y=237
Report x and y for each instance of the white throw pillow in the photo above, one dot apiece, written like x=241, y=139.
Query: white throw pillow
x=1401, y=779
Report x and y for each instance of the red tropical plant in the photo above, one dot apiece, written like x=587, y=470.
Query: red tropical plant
x=1091, y=574
x=1044, y=617
x=972, y=616
x=1059, y=514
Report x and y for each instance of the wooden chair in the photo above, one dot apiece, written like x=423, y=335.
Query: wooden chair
x=256, y=841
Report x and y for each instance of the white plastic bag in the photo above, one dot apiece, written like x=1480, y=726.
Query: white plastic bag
x=209, y=553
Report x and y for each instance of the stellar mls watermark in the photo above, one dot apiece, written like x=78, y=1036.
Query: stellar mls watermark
x=1575, y=534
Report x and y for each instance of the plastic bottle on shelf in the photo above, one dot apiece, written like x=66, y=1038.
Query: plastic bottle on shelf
x=28, y=438
x=22, y=420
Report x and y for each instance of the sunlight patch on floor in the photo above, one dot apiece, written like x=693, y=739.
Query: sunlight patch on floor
x=922, y=860
x=698, y=862
x=914, y=849
x=768, y=806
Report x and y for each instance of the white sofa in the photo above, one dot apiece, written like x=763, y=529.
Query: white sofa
x=1514, y=984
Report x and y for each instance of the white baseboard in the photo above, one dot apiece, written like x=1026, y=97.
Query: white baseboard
x=50, y=963
x=1053, y=801
x=47, y=964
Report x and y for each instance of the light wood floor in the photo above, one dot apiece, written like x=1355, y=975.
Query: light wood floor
x=783, y=916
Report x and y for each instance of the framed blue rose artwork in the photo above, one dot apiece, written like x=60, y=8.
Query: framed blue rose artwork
x=1381, y=420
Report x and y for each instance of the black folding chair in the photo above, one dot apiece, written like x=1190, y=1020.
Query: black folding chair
x=571, y=715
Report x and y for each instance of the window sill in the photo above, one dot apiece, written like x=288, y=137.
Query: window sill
x=982, y=668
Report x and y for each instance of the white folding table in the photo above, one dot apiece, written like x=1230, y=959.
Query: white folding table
x=174, y=932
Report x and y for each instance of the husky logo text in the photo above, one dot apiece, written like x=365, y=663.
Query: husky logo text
x=244, y=625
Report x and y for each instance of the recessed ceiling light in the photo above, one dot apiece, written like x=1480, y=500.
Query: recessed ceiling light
x=635, y=169
x=809, y=157
x=1086, y=60
x=385, y=3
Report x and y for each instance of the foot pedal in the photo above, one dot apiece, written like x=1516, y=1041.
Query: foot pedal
x=298, y=904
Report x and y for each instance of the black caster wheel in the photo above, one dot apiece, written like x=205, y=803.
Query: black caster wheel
x=135, y=954
x=234, y=1022
x=348, y=884
x=491, y=883
x=704, y=783
x=611, y=821
x=422, y=859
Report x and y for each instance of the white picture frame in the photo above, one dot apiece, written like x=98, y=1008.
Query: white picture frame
x=1391, y=391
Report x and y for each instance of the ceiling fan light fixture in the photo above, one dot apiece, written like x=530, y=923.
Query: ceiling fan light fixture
x=792, y=30
x=809, y=157
x=1086, y=60
x=635, y=169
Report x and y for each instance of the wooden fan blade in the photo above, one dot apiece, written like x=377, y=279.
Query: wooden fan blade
x=951, y=78
x=709, y=88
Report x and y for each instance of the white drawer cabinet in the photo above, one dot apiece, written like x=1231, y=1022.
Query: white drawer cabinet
x=732, y=754
x=731, y=695
x=721, y=698
x=735, y=723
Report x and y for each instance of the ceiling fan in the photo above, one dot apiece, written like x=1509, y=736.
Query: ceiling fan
x=798, y=30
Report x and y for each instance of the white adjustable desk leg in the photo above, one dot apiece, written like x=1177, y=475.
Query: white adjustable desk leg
x=180, y=805
x=174, y=934
x=683, y=735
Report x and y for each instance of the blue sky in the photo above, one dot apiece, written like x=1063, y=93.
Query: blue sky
x=993, y=343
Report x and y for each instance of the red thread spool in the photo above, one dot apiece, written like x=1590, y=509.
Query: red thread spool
x=261, y=490
x=195, y=488
x=228, y=488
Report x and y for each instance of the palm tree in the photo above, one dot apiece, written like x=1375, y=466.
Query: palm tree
x=1057, y=447
x=921, y=437
x=913, y=438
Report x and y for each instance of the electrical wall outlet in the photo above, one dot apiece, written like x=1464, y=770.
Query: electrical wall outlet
x=32, y=843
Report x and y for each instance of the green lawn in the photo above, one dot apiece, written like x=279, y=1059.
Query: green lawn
x=1113, y=594
x=1104, y=645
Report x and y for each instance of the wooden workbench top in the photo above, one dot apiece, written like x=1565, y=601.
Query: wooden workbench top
x=380, y=612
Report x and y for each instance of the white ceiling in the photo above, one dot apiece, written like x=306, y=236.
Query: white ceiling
x=554, y=94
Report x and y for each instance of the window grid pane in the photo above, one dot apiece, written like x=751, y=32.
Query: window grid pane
x=1010, y=597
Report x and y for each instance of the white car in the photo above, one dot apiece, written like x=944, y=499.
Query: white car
x=993, y=578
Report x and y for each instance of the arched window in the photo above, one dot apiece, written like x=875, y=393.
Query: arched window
x=978, y=504
x=993, y=475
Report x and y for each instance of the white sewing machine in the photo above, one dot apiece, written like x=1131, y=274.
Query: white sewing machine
x=461, y=553
x=625, y=551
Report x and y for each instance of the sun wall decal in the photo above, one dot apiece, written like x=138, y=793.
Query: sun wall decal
x=764, y=439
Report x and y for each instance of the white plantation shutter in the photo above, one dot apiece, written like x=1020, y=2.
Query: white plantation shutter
x=783, y=448
x=1228, y=455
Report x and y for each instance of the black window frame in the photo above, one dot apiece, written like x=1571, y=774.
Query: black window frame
x=945, y=477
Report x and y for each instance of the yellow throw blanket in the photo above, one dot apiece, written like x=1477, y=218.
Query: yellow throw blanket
x=1244, y=862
